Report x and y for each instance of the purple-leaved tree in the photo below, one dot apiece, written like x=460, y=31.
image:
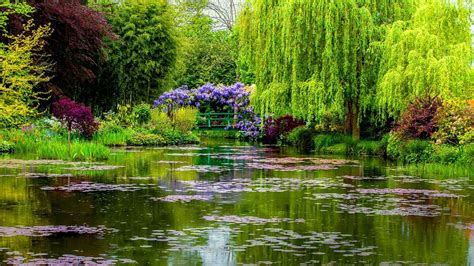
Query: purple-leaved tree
x=75, y=116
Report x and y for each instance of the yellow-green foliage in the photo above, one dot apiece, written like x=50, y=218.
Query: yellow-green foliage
x=310, y=58
x=431, y=54
x=185, y=119
x=20, y=74
x=159, y=121
x=313, y=57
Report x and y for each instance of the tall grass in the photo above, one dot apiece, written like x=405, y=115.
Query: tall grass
x=79, y=151
x=113, y=138
x=345, y=145
x=56, y=147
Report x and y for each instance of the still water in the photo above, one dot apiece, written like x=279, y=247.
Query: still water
x=228, y=203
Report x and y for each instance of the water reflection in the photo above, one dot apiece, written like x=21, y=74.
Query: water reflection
x=370, y=211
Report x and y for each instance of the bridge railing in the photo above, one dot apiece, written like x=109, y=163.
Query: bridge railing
x=216, y=120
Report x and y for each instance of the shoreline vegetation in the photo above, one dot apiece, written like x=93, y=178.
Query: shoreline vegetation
x=45, y=143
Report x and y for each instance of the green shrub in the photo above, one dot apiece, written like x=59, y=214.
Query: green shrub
x=322, y=141
x=173, y=136
x=467, y=138
x=340, y=148
x=369, y=147
x=185, y=119
x=417, y=151
x=446, y=154
x=142, y=113
x=123, y=117
x=190, y=138
x=159, y=121
x=302, y=137
x=6, y=146
x=394, y=146
x=467, y=154
x=144, y=139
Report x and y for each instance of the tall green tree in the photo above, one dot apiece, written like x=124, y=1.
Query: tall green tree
x=206, y=53
x=428, y=55
x=314, y=58
x=141, y=59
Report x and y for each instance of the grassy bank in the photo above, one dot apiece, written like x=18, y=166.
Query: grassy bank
x=47, y=145
x=406, y=152
x=50, y=144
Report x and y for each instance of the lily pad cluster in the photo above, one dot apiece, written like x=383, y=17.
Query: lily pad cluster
x=49, y=230
x=96, y=187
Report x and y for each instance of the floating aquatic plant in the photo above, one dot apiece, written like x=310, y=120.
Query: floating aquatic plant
x=45, y=175
x=95, y=168
x=202, y=168
x=96, y=187
x=249, y=219
x=183, y=198
x=49, y=230
x=68, y=259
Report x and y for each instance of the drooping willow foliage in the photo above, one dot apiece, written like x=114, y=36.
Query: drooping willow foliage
x=430, y=55
x=314, y=59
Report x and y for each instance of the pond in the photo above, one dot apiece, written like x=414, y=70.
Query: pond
x=230, y=203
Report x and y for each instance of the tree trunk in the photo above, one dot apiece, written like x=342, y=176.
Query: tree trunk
x=352, y=121
x=69, y=141
x=355, y=122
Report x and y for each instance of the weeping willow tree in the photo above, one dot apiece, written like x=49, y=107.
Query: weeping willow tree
x=314, y=59
x=429, y=55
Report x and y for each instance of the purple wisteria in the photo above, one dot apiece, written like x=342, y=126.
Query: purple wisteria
x=207, y=98
x=217, y=99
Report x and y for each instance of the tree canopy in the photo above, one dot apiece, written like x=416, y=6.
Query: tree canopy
x=429, y=55
x=312, y=59
x=19, y=68
x=145, y=53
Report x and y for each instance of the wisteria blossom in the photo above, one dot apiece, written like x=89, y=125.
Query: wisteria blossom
x=210, y=98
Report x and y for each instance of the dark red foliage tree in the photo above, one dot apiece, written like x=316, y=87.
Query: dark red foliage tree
x=75, y=116
x=276, y=128
x=76, y=43
x=418, y=122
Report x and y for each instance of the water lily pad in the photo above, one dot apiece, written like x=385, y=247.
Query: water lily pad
x=184, y=198
x=248, y=219
x=95, y=168
x=45, y=175
x=202, y=168
x=96, y=187
x=67, y=259
x=49, y=230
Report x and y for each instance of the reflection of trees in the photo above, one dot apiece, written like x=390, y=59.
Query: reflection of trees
x=417, y=239
x=216, y=251
x=21, y=204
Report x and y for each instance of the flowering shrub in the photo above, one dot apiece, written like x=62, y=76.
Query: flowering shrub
x=278, y=128
x=454, y=120
x=249, y=127
x=75, y=116
x=418, y=122
x=142, y=113
x=207, y=98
